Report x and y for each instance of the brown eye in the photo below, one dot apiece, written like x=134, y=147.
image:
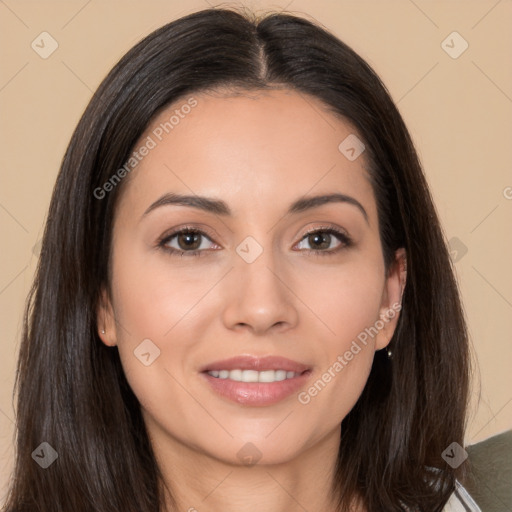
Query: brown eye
x=323, y=241
x=189, y=240
x=319, y=240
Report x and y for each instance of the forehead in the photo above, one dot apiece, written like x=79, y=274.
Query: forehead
x=267, y=147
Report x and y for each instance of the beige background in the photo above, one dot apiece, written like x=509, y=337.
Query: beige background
x=459, y=112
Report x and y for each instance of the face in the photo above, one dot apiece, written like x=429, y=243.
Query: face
x=216, y=301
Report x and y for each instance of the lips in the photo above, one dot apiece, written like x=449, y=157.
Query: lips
x=251, y=392
x=256, y=363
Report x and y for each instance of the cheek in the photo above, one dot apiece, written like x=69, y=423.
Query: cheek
x=348, y=303
x=156, y=300
x=346, y=299
x=154, y=294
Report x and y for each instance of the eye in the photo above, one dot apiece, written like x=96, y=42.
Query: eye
x=191, y=241
x=321, y=240
x=187, y=241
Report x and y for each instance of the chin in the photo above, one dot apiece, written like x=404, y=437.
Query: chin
x=253, y=450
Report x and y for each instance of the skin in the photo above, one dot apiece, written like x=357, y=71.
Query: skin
x=258, y=152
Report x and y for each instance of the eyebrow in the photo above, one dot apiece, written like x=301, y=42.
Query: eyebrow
x=219, y=207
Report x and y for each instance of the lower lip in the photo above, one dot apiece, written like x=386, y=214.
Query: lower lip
x=257, y=394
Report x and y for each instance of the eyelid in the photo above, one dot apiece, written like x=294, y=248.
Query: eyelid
x=326, y=227
x=180, y=229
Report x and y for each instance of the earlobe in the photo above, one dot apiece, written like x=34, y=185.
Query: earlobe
x=105, y=320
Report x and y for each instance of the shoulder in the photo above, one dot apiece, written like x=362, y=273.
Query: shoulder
x=461, y=501
x=490, y=474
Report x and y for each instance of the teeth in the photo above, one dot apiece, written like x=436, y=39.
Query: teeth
x=280, y=374
x=267, y=376
x=249, y=376
x=253, y=375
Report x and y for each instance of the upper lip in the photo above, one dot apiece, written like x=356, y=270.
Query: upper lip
x=256, y=363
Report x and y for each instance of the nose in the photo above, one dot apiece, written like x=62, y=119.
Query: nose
x=259, y=297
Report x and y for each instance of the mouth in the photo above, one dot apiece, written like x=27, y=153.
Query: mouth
x=240, y=375
x=256, y=381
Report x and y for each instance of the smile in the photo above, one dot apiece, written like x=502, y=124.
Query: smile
x=239, y=375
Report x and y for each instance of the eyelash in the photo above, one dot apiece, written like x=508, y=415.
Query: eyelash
x=345, y=240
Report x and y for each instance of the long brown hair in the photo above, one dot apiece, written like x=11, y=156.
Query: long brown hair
x=71, y=389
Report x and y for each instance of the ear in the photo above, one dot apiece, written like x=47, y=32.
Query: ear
x=391, y=299
x=105, y=319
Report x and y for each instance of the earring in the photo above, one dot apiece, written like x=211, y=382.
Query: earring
x=390, y=353
x=103, y=331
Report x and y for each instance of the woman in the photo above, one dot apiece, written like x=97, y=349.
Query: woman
x=244, y=298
